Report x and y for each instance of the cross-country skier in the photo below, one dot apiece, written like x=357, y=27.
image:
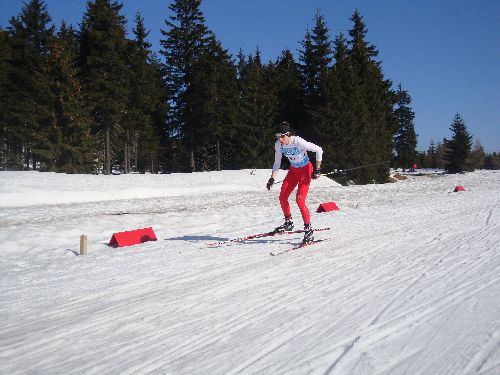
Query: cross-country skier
x=300, y=173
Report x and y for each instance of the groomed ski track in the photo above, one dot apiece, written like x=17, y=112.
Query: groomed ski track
x=408, y=284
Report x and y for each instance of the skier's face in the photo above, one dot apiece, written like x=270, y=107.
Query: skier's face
x=284, y=138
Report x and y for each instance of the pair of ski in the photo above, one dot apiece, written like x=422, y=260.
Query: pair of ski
x=270, y=234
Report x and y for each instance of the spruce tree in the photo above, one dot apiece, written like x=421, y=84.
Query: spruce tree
x=316, y=57
x=76, y=149
x=5, y=52
x=405, y=139
x=105, y=75
x=142, y=135
x=492, y=161
x=153, y=148
x=257, y=111
x=323, y=55
x=477, y=156
x=336, y=121
x=308, y=67
x=431, y=161
x=215, y=105
x=440, y=154
x=376, y=122
x=30, y=130
x=184, y=43
x=458, y=147
x=287, y=82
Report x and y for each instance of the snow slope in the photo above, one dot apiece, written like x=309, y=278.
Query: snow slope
x=408, y=284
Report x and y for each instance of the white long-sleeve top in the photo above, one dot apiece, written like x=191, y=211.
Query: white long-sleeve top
x=296, y=152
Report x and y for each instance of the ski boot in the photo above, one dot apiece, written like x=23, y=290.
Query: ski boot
x=308, y=234
x=286, y=227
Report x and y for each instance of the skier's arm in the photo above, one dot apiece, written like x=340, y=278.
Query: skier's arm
x=277, y=159
x=276, y=165
x=314, y=148
x=319, y=156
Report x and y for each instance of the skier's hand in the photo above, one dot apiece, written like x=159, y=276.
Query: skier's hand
x=270, y=183
x=316, y=173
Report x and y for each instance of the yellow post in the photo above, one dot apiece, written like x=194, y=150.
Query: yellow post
x=83, y=244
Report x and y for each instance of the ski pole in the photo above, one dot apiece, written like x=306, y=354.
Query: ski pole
x=339, y=171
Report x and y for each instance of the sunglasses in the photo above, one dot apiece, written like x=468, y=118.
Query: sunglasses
x=279, y=135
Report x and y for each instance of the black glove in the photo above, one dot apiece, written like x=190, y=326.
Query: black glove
x=270, y=183
x=316, y=173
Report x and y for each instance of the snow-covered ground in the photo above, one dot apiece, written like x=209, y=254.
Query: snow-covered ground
x=409, y=282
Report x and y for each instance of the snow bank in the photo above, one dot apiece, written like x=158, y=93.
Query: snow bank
x=407, y=283
x=19, y=189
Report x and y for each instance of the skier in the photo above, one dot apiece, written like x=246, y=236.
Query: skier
x=300, y=173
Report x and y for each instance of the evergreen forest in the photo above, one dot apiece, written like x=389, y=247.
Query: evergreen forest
x=93, y=99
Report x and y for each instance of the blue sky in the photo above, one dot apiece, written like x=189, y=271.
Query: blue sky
x=446, y=53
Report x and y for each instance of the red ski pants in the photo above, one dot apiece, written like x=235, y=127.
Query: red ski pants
x=302, y=178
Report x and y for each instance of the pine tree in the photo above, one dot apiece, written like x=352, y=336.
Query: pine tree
x=440, y=154
x=257, y=111
x=349, y=108
x=184, y=43
x=376, y=123
x=30, y=131
x=458, y=147
x=153, y=144
x=104, y=74
x=142, y=135
x=420, y=158
x=308, y=66
x=492, y=161
x=5, y=52
x=288, y=89
x=215, y=105
x=336, y=121
x=76, y=149
x=316, y=58
x=431, y=160
x=323, y=55
x=405, y=139
x=475, y=160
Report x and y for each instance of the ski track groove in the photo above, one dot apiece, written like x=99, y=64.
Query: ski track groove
x=414, y=282
x=202, y=340
x=479, y=360
x=399, y=271
x=347, y=348
x=433, y=302
x=419, y=314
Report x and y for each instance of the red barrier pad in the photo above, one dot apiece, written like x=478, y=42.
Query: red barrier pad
x=132, y=237
x=458, y=188
x=328, y=206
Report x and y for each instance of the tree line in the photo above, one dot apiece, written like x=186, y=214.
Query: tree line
x=458, y=153
x=90, y=100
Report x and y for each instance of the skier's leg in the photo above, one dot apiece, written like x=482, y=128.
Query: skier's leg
x=289, y=184
x=302, y=191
